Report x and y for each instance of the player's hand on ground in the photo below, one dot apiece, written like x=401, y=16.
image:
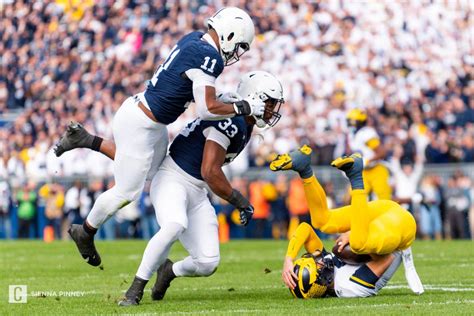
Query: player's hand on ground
x=246, y=215
x=288, y=275
x=229, y=97
x=342, y=241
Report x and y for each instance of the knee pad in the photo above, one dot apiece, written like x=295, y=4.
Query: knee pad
x=207, y=268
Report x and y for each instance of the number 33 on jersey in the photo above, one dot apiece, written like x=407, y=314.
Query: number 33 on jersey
x=188, y=147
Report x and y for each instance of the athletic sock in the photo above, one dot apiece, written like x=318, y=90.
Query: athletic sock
x=306, y=173
x=89, y=229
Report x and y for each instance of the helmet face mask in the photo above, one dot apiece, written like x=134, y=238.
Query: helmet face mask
x=272, y=115
x=325, y=270
x=234, y=56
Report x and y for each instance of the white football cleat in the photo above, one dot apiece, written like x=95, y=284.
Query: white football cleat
x=411, y=275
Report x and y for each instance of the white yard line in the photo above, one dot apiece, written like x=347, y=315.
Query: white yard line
x=430, y=287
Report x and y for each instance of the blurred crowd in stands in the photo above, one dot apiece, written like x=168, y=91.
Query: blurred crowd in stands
x=408, y=63
x=443, y=209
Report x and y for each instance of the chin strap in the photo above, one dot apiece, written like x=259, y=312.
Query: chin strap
x=260, y=123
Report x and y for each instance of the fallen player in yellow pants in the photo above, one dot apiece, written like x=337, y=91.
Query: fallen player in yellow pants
x=381, y=230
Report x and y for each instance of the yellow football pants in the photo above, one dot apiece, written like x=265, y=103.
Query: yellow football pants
x=377, y=227
x=376, y=180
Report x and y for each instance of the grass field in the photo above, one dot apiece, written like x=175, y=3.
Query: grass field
x=247, y=282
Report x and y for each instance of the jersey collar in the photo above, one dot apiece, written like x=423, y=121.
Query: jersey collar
x=206, y=37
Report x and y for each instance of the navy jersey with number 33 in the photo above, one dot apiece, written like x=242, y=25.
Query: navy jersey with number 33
x=187, y=148
x=168, y=93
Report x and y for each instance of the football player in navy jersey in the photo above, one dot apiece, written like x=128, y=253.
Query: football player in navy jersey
x=179, y=190
x=139, y=126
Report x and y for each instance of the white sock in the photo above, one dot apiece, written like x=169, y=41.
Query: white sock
x=411, y=275
x=157, y=249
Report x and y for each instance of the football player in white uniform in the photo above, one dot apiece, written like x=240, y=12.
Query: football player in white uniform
x=364, y=139
x=139, y=126
x=179, y=191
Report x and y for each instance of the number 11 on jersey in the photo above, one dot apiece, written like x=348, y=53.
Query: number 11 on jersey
x=206, y=62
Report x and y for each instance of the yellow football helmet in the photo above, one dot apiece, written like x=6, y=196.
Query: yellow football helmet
x=356, y=117
x=309, y=284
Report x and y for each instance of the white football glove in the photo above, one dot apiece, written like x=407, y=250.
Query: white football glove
x=250, y=106
x=229, y=97
x=257, y=106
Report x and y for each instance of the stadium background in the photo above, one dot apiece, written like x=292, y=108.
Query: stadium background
x=408, y=63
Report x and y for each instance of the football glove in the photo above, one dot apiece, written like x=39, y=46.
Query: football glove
x=243, y=205
x=250, y=106
x=246, y=215
x=229, y=97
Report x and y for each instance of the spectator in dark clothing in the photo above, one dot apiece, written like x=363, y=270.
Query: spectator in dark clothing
x=457, y=206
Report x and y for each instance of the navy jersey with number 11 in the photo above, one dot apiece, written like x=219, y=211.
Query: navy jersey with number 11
x=187, y=148
x=169, y=92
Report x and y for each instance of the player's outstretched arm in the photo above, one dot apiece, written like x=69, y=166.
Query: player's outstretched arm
x=304, y=235
x=211, y=171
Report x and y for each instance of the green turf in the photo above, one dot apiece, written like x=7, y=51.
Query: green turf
x=247, y=282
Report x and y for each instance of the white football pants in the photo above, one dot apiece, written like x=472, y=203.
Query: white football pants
x=183, y=211
x=141, y=144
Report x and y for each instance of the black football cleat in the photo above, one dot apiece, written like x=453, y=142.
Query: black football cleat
x=164, y=277
x=85, y=244
x=134, y=294
x=75, y=136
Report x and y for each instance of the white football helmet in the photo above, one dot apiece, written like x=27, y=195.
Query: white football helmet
x=265, y=86
x=235, y=30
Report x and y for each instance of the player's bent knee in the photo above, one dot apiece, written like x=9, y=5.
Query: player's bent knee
x=207, y=268
x=127, y=196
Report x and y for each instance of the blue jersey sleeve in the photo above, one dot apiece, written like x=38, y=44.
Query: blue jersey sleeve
x=201, y=55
